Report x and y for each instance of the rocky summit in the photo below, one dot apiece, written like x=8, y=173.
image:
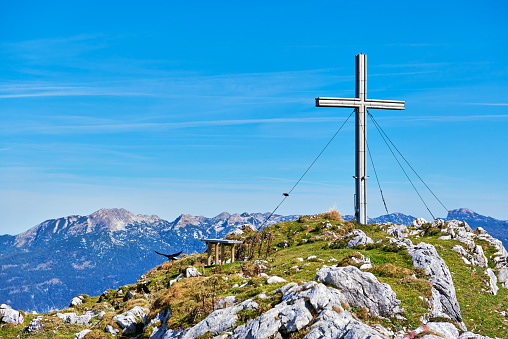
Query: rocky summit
x=315, y=277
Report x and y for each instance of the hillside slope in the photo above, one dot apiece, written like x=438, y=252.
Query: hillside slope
x=317, y=277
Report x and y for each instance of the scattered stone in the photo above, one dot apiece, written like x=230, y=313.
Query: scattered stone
x=299, y=259
x=178, y=278
x=130, y=295
x=35, y=325
x=192, y=271
x=236, y=232
x=275, y=280
x=263, y=275
x=111, y=329
x=311, y=257
x=72, y=318
x=101, y=315
x=332, y=260
x=82, y=334
x=10, y=316
x=361, y=289
x=445, y=237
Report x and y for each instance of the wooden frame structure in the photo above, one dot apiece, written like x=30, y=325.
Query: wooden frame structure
x=213, y=245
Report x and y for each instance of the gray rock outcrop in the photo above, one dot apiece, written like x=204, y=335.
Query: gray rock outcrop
x=361, y=289
x=357, y=237
x=275, y=280
x=443, y=302
x=35, y=325
x=10, y=316
x=75, y=301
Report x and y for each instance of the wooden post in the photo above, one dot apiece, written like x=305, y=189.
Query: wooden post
x=209, y=257
x=233, y=253
x=216, y=254
x=222, y=254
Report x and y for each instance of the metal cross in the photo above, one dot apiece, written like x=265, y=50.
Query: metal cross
x=360, y=103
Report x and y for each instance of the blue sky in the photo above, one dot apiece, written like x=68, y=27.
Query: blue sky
x=166, y=107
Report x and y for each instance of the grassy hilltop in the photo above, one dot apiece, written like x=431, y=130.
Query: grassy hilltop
x=278, y=251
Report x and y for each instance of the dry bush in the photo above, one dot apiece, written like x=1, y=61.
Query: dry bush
x=331, y=214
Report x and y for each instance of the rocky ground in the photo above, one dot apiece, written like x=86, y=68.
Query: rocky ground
x=317, y=277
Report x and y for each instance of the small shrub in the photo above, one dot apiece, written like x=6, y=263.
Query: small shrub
x=419, y=272
x=96, y=334
x=338, y=245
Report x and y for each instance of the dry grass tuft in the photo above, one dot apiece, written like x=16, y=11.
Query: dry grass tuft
x=392, y=271
x=331, y=214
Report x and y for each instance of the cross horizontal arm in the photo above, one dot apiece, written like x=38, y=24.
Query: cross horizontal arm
x=384, y=104
x=338, y=102
x=356, y=102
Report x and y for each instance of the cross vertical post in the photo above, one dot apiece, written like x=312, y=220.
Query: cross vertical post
x=360, y=103
x=360, y=141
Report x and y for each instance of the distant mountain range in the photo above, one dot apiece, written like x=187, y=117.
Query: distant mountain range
x=44, y=267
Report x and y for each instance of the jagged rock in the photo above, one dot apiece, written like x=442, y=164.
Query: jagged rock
x=75, y=302
x=419, y=222
x=358, y=237
x=459, y=249
x=330, y=324
x=438, y=223
x=215, y=323
x=275, y=280
x=8, y=315
x=492, y=281
x=361, y=289
x=72, y=318
x=192, y=272
x=502, y=275
x=398, y=231
x=101, y=315
x=128, y=320
x=35, y=325
x=478, y=258
x=444, y=300
x=82, y=334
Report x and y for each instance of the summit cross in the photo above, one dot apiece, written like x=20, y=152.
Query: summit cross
x=360, y=103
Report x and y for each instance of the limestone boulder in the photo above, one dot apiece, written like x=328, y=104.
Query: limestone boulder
x=502, y=276
x=192, y=271
x=357, y=237
x=75, y=301
x=10, y=316
x=128, y=320
x=361, y=289
x=275, y=280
